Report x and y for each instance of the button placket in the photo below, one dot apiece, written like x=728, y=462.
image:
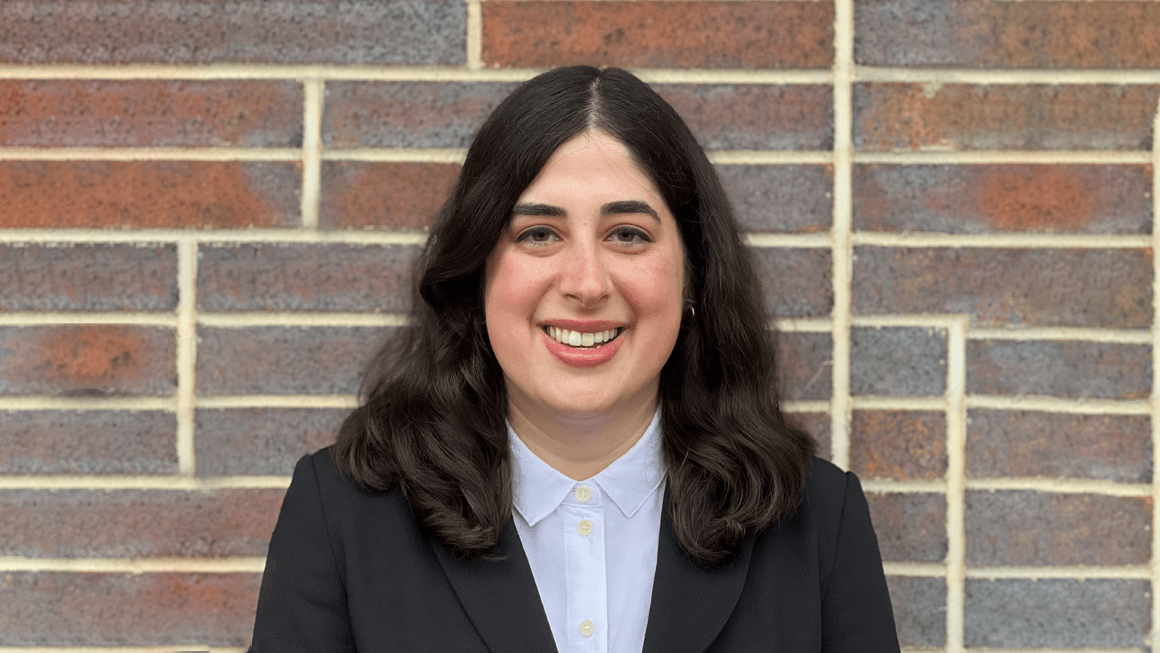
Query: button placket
x=587, y=577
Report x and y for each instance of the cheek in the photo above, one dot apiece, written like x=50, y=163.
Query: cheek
x=509, y=287
x=657, y=289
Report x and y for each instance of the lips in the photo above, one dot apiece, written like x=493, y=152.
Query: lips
x=588, y=352
x=582, y=339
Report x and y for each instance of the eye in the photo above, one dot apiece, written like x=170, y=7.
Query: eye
x=629, y=236
x=537, y=236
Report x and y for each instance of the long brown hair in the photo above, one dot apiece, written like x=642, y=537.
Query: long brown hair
x=431, y=420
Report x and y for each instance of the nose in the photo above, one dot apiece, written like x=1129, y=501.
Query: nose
x=584, y=277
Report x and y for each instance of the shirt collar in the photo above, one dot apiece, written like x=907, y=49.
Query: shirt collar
x=538, y=488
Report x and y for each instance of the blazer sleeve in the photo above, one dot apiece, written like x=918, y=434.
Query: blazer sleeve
x=856, y=613
x=302, y=603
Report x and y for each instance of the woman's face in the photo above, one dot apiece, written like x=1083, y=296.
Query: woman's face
x=584, y=291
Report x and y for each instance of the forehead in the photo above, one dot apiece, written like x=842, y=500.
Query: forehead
x=593, y=163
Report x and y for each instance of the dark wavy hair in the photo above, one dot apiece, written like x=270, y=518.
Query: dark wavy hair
x=432, y=416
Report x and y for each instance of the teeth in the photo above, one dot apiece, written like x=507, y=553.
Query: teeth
x=578, y=339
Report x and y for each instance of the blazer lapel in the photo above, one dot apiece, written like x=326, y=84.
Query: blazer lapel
x=500, y=596
x=690, y=604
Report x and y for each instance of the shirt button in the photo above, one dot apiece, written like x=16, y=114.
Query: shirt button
x=587, y=628
x=584, y=527
x=583, y=494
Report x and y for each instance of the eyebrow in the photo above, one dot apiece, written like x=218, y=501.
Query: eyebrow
x=531, y=208
x=612, y=208
x=629, y=206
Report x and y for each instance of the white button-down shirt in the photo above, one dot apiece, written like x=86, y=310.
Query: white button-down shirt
x=592, y=544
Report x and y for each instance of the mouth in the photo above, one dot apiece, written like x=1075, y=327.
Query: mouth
x=581, y=340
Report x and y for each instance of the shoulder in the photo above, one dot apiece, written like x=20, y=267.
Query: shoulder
x=831, y=498
x=342, y=501
x=827, y=486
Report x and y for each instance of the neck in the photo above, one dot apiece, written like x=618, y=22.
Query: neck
x=580, y=447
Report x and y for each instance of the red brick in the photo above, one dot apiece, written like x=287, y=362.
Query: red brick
x=149, y=194
x=990, y=34
x=1008, y=287
x=780, y=198
x=999, y=198
x=805, y=363
x=284, y=360
x=387, y=195
x=910, y=527
x=905, y=445
x=658, y=34
x=898, y=361
x=291, y=32
x=261, y=441
x=88, y=442
x=796, y=281
x=1028, y=443
x=88, y=277
x=408, y=114
x=137, y=523
x=329, y=277
x=755, y=116
x=167, y=610
x=90, y=360
x=1035, y=528
x=74, y=113
x=1057, y=613
x=1059, y=368
x=920, y=608
x=817, y=425
x=1003, y=117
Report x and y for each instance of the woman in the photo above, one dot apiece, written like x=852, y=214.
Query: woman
x=576, y=443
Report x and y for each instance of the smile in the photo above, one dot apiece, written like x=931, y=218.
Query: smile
x=582, y=340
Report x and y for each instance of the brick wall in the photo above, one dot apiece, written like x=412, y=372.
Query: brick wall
x=208, y=210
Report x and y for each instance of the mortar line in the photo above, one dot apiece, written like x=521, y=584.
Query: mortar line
x=884, y=402
x=186, y=355
x=1068, y=572
x=30, y=318
x=228, y=236
x=1155, y=395
x=805, y=406
x=988, y=649
x=1060, y=404
x=922, y=320
x=1071, y=76
x=1122, y=336
x=462, y=73
x=474, y=35
x=53, y=402
x=206, y=154
x=1000, y=157
x=787, y=240
x=1005, y=241
x=159, y=482
x=452, y=73
x=236, y=564
x=842, y=270
x=923, y=569
x=312, y=98
x=888, y=486
x=1060, y=485
x=803, y=325
x=458, y=154
x=771, y=157
x=398, y=154
x=241, y=320
x=956, y=476
x=161, y=648
x=278, y=401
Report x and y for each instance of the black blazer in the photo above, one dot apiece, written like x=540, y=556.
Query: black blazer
x=348, y=570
